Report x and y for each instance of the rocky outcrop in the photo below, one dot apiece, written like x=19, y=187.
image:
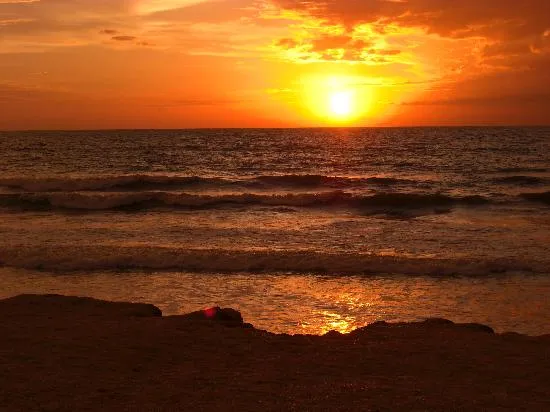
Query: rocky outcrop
x=65, y=354
x=225, y=316
x=58, y=305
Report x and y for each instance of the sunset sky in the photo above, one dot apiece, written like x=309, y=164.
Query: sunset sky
x=74, y=64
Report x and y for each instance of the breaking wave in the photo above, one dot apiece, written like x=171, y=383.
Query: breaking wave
x=520, y=180
x=328, y=181
x=168, y=182
x=112, y=257
x=127, y=182
x=522, y=170
x=543, y=197
x=147, y=200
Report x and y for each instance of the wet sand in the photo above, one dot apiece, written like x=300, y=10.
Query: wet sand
x=62, y=353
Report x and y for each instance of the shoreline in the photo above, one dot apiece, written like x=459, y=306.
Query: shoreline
x=67, y=353
x=310, y=304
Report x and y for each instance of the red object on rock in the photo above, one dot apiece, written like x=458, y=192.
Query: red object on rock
x=211, y=312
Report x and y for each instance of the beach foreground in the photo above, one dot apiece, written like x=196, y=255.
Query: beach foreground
x=66, y=353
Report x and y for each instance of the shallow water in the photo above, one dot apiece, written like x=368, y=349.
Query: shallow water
x=291, y=303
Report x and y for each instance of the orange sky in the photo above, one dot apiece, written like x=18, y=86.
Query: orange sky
x=73, y=64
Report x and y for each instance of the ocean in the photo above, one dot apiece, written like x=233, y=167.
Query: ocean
x=302, y=230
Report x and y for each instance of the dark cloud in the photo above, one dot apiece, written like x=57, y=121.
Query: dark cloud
x=108, y=31
x=287, y=43
x=519, y=96
x=327, y=42
x=124, y=38
x=457, y=18
x=340, y=47
x=512, y=31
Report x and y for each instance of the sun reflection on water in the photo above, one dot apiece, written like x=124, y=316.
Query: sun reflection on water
x=337, y=322
x=303, y=304
x=343, y=321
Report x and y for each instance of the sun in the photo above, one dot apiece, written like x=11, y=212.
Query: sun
x=341, y=103
x=338, y=100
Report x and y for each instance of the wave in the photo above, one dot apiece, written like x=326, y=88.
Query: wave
x=167, y=182
x=542, y=197
x=522, y=170
x=306, y=180
x=125, y=182
x=520, y=180
x=147, y=200
x=328, y=181
x=146, y=257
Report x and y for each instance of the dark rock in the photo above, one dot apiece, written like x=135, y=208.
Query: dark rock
x=225, y=316
x=512, y=335
x=477, y=327
x=371, y=327
x=378, y=324
x=333, y=334
x=144, y=310
x=438, y=322
x=230, y=315
x=63, y=306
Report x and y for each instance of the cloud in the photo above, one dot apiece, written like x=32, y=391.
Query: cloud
x=446, y=52
x=318, y=42
x=419, y=39
x=183, y=25
x=449, y=18
x=209, y=11
x=495, y=100
x=109, y=31
x=496, y=21
x=123, y=38
x=153, y=6
x=327, y=42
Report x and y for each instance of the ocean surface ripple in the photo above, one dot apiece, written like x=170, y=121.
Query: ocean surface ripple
x=438, y=201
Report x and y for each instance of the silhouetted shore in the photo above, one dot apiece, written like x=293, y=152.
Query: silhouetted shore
x=64, y=353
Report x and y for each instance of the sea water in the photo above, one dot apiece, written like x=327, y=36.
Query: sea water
x=303, y=230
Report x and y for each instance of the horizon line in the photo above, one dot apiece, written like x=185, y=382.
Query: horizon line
x=495, y=126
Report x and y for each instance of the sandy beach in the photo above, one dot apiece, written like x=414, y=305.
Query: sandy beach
x=64, y=354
